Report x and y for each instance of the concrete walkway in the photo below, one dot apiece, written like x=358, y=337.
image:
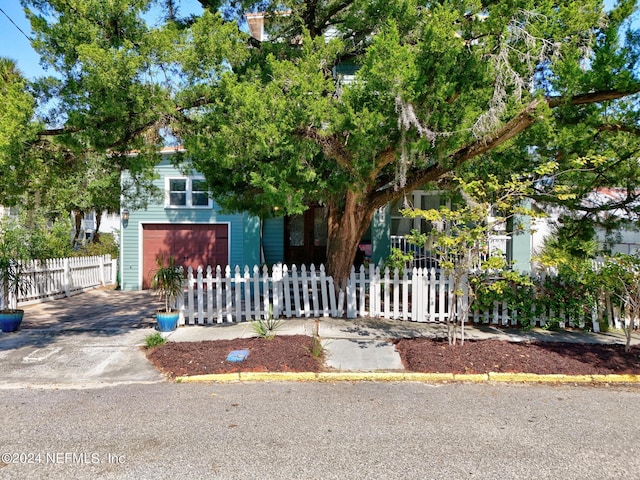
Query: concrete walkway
x=94, y=339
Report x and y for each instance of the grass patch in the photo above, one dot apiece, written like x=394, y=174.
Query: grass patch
x=154, y=340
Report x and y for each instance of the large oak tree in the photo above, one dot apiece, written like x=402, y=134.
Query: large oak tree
x=472, y=87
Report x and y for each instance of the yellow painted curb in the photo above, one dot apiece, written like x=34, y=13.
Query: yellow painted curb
x=471, y=377
x=536, y=378
x=277, y=376
x=213, y=377
x=404, y=376
x=428, y=377
x=361, y=376
x=616, y=378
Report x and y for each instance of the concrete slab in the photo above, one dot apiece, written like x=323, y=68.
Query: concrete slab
x=41, y=358
x=349, y=355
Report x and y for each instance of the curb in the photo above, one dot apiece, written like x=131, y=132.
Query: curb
x=496, y=377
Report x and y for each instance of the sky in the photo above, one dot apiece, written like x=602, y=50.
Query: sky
x=15, y=30
x=15, y=45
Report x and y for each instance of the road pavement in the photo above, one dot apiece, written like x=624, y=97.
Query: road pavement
x=362, y=430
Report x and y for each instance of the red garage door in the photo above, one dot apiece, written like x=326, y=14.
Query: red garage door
x=190, y=245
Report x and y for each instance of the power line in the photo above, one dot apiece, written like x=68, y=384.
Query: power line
x=15, y=24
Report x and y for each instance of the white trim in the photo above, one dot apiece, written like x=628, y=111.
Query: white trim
x=186, y=223
x=188, y=193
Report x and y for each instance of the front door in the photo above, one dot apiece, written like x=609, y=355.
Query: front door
x=305, y=237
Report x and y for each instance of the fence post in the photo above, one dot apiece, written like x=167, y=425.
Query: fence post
x=276, y=277
x=323, y=291
x=305, y=290
x=67, y=278
x=237, y=283
x=190, y=300
x=101, y=267
x=351, y=295
x=209, y=318
x=247, y=293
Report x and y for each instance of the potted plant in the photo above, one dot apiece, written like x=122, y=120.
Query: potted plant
x=168, y=282
x=13, y=256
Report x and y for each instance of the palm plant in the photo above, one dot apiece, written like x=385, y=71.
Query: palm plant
x=168, y=282
x=13, y=255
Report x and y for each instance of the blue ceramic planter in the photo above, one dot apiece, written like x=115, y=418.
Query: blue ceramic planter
x=10, y=321
x=167, y=321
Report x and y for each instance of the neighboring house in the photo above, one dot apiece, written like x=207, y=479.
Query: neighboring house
x=109, y=223
x=626, y=239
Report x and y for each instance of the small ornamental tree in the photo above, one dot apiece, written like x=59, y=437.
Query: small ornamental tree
x=461, y=246
x=621, y=278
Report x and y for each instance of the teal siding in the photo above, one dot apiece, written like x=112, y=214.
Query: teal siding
x=273, y=240
x=244, y=239
x=380, y=236
x=251, y=241
x=521, y=245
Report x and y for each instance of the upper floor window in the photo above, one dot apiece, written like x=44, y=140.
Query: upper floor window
x=187, y=192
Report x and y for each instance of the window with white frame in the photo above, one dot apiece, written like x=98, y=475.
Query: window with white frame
x=187, y=192
x=401, y=225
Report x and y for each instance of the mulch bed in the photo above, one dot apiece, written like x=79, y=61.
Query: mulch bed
x=279, y=354
x=293, y=354
x=427, y=355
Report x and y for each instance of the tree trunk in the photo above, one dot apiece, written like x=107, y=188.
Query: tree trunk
x=78, y=216
x=346, y=226
x=96, y=233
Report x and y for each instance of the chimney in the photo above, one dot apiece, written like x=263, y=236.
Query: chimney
x=256, y=25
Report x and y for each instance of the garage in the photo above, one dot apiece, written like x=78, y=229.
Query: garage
x=192, y=245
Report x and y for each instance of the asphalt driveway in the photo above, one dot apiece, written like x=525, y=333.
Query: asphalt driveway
x=85, y=341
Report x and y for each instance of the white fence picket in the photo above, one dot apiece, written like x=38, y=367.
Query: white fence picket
x=421, y=295
x=62, y=277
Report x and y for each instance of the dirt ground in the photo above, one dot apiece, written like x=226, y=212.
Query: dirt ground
x=296, y=354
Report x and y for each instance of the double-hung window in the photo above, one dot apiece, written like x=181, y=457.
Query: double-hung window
x=187, y=192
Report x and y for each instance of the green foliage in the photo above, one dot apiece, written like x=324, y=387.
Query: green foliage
x=154, y=340
x=397, y=260
x=266, y=327
x=15, y=251
x=515, y=289
x=527, y=90
x=106, y=245
x=316, y=349
x=16, y=132
x=620, y=276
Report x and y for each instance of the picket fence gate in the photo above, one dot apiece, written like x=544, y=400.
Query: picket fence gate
x=418, y=295
x=62, y=277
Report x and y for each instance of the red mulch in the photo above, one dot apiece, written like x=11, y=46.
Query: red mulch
x=483, y=356
x=280, y=354
x=293, y=354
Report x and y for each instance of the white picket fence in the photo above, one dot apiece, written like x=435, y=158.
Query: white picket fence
x=63, y=277
x=419, y=295
x=217, y=296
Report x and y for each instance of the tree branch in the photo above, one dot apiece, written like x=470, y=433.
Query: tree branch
x=616, y=127
x=417, y=177
x=332, y=146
